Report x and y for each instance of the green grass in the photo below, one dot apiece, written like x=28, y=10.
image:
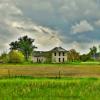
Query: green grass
x=50, y=65
x=50, y=89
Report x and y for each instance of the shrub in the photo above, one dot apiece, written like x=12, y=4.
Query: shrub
x=16, y=56
x=4, y=58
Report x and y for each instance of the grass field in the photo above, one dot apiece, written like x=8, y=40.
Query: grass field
x=56, y=84
x=50, y=65
x=50, y=89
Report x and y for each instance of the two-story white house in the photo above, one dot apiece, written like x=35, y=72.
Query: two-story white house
x=59, y=55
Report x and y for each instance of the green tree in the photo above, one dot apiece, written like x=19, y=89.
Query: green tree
x=93, y=51
x=4, y=58
x=85, y=57
x=73, y=55
x=14, y=45
x=25, y=45
x=16, y=56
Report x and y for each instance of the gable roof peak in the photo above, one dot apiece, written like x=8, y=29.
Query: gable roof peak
x=58, y=49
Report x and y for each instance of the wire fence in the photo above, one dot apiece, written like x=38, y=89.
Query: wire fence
x=55, y=74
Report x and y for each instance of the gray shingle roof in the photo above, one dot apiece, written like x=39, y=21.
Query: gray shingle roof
x=42, y=53
x=38, y=54
x=58, y=49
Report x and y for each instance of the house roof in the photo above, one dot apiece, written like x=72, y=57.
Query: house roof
x=42, y=53
x=38, y=54
x=58, y=49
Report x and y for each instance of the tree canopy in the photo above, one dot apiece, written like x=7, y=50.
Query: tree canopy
x=93, y=51
x=25, y=45
x=73, y=55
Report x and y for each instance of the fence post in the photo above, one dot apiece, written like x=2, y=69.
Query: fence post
x=8, y=73
x=59, y=74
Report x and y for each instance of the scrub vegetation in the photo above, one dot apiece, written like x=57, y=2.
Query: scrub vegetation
x=50, y=89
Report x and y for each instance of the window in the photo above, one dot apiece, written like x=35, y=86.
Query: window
x=37, y=60
x=59, y=53
x=63, y=60
x=59, y=60
x=63, y=54
x=55, y=54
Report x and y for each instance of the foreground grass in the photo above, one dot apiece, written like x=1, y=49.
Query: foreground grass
x=50, y=89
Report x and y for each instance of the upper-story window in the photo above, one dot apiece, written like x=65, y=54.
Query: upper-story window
x=63, y=60
x=63, y=54
x=55, y=54
x=59, y=53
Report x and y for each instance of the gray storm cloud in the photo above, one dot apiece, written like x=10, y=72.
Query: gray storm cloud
x=50, y=22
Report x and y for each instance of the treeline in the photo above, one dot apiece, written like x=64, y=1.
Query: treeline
x=23, y=49
x=92, y=55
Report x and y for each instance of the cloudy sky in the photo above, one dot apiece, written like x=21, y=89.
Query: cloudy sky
x=66, y=23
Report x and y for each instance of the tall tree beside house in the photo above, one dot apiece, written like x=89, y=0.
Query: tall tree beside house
x=14, y=45
x=25, y=45
x=73, y=55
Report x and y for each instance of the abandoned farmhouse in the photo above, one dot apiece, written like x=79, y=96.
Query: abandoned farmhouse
x=56, y=55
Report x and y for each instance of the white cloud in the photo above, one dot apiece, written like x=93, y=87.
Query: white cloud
x=44, y=37
x=97, y=23
x=79, y=8
x=14, y=24
x=8, y=8
x=83, y=26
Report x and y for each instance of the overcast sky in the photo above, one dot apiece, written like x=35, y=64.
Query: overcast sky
x=66, y=23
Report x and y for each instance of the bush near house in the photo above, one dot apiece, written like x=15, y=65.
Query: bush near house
x=16, y=56
x=4, y=58
x=48, y=56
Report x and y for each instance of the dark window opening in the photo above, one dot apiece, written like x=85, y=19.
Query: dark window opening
x=55, y=54
x=37, y=60
x=63, y=60
x=59, y=53
x=59, y=60
x=63, y=54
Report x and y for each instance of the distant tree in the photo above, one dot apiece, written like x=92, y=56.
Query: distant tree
x=93, y=51
x=84, y=57
x=73, y=55
x=16, y=56
x=89, y=56
x=25, y=45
